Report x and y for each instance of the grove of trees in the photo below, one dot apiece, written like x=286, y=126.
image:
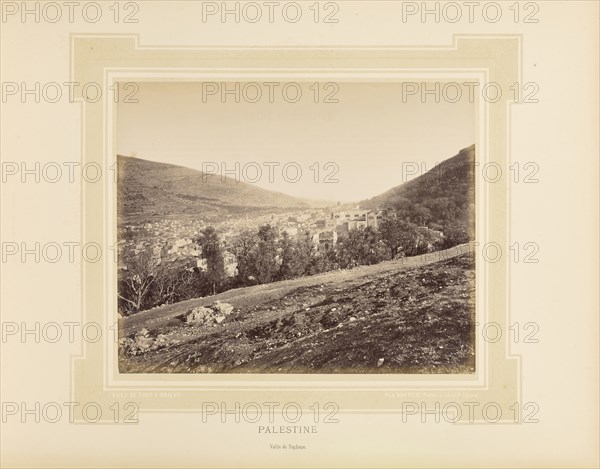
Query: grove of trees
x=265, y=256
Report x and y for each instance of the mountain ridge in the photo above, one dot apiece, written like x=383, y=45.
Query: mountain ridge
x=154, y=189
x=462, y=160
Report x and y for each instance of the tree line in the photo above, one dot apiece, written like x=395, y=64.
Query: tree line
x=267, y=255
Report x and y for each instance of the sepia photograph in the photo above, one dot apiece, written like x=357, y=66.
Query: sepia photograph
x=299, y=234
x=296, y=228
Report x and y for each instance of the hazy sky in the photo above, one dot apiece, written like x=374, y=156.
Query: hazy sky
x=368, y=134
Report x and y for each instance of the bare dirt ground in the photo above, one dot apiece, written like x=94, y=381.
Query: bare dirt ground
x=414, y=315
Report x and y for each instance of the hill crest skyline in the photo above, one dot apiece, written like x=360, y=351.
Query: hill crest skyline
x=136, y=164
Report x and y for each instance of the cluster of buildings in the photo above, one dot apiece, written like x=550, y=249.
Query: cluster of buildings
x=173, y=240
x=326, y=225
x=343, y=221
x=348, y=220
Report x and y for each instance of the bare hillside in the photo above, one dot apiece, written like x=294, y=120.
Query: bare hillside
x=409, y=316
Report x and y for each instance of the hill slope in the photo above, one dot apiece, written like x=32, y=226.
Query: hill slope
x=446, y=192
x=148, y=189
x=412, y=315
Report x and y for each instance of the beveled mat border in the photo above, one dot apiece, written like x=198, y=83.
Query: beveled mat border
x=92, y=55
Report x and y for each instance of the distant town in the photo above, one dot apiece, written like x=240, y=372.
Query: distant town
x=173, y=240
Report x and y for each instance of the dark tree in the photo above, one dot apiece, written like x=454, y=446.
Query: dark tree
x=360, y=247
x=212, y=251
x=400, y=236
x=304, y=251
x=265, y=262
x=244, y=249
x=287, y=255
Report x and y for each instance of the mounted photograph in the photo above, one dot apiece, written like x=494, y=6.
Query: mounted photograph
x=296, y=228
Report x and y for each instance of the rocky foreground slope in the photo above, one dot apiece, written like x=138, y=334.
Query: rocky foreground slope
x=394, y=320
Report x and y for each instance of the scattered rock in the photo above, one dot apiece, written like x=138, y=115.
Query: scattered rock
x=380, y=362
x=224, y=308
x=142, y=342
x=198, y=315
x=331, y=319
x=208, y=316
x=352, y=319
